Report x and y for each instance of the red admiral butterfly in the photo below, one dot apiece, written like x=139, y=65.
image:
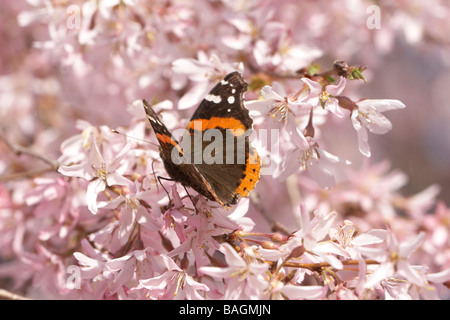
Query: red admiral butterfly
x=222, y=109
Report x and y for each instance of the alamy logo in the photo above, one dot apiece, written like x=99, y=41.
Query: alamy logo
x=73, y=281
x=374, y=20
x=73, y=20
x=212, y=146
x=220, y=146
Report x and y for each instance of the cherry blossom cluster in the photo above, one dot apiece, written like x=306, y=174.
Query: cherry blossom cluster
x=85, y=214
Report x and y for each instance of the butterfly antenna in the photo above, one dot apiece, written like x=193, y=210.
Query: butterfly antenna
x=131, y=137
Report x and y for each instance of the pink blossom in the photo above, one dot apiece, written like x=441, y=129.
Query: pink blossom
x=325, y=97
x=54, y=202
x=294, y=292
x=92, y=262
x=99, y=172
x=312, y=236
x=130, y=269
x=438, y=236
x=309, y=157
x=275, y=51
x=173, y=283
x=367, y=115
x=374, y=188
x=132, y=211
x=394, y=260
x=48, y=270
x=350, y=239
x=244, y=279
x=202, y=71
x=196, y=233
x=280, y=109
x=71, y=72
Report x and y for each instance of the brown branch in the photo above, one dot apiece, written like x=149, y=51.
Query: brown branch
x=18, y=149
x=320, y=265
x=6, y=295
x=25, y=174
x=310, y=266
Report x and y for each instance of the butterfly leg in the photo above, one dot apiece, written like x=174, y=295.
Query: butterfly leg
x=159, y=178
x=192, y=200
x=169, y=179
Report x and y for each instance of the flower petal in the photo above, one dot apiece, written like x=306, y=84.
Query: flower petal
x=270, y=94
x=94, y=188
x=95, y=157
x=322, y=175
x=336, y=89
x=314, y=86
x=291, y=164
x=370, y=237
x=193, y=96
x=409, y=273
x=407, y=248
x=296, y=135
x=304, y=292
x=262, y=106
x=114, y=178
x=382, y=105
x=83, y=170
x=439, y=277
x=363, y=138
x=376, y=122
x=384, y=271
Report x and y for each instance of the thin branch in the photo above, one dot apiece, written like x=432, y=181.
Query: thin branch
x=25, y=174
x=320, y=265
x=6, y=295
x=310, y=266
x=18, y=149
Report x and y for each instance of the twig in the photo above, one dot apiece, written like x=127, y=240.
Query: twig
x=6, y=295
x=310, y=266
x=25, y=174
x=18, y=149
x=320, y=265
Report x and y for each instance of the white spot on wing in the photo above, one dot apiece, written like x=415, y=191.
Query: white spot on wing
x=230, y=99
x=213, y=98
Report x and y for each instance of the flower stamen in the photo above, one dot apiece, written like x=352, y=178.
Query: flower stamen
x=325, y=97
x=309, y=155
x=101, y=172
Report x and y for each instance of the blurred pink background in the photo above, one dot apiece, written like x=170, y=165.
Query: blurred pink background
x=51, y=76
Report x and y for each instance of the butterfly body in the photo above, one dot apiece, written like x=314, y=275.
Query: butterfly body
x=218, y=160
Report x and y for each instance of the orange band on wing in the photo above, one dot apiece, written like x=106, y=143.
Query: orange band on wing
x=163, y=138
x=233, y=124
x=253, y=167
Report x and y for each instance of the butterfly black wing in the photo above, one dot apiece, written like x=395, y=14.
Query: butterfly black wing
x=225, y=101
x=184, y=173
x=223, y=110
x=235, y=168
